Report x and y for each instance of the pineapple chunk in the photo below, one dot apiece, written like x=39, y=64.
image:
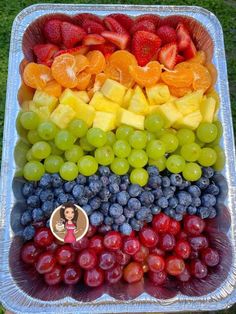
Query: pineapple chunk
x=68, y=97
x=128, y=95
x=213, y=93
x=190, y=121
x=189, y=103
x=113, y=90
x=101, y=103
x=42, y=99
x=138, y=103
x=85, y=113
x=62, y=115
x=43, y=111
x=130, y=118
x=104, y=120
x=83, y=95
x=154, y=109
x=158, y=94
x=169, y=113
x=207, y=107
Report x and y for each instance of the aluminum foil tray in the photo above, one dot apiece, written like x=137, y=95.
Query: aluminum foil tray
x=20, y=292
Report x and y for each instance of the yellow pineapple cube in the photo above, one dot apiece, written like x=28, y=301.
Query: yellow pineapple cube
x=138, y=103
x=42, y=99
x=62, y=115
x=83, y=95
x=158, y=94
x=113, y=90
x=190, y=102
x=130, y=118
x=190, y=121
x=154, y=109
x=213, y=93
x=68, y=97
x=207, y=108
x=43, y=111
x=170, y=113
x=104, y=120
x=128, y=95
x=85, y=113
x=101, y=103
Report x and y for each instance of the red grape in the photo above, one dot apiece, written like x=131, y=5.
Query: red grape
x=198, y=243
x=107, y=260
x=161, y=223
x=45, y=263
x=148, y=237
x=131, y=245
x=183, y=249
x=65, y=255
x=210, y=257
x=112, y=240
x=122, y=258
x=29, y=253
x=142, y=254
x=167, y=242
x=71, y=275
x=87, y=259
x=155, y=263
x=133, y=272
x=43, y=237
x=193, y=225
x=96, y=244
x=81, y=244
x=114, y=274
x=94, y=277
x=174, y=265
x=54, y=276
x=174, y=227
x=198, y=269
x=157, y=278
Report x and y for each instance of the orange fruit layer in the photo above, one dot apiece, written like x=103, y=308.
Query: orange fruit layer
x=36, y=75
x=97, y=62
x=147, y=75
x=180, y=77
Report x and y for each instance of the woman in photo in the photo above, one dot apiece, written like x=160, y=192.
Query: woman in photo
x=69, y=214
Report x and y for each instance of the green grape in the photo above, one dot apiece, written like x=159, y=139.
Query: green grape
x=33, y=136
x=138, y=158
x=96, y=137
x=121, y=148
x=175, y=163
x=68, y=171
x=87, y=165
x=111, y=138
x=78, y=128
x=52, y=163
x=138, y=139
x=171, y=142
x=64, y=140
x=20, y=153
x=33, y=170
x=74, y=154
x=207, y=157
x=191, y=152
x=207, y=132
x=154, y=122
x=123, y=132
x=160, y=163
x=150, y=136
x=185, y=136
x=104, y=155
x=219, y=134
x=29, y=156
x=85, y=145
x=41, y=150
x=139, y=176
x=155, y=149
x=47, y=130
x=200, y=143
x=55, y=149
x=160, y=132
x=29, y=120
x=192, y=171
x=120, y=166
x=19, y=128
x=220, y=160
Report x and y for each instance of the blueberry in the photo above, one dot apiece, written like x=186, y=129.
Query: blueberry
x=123, y=186
x=108, y=220
x=94, y=202
x=112, y=198
x=58, y=191
x=87, y=192
x=176, y=179
x=169, y=212
x=180, y=209
x=155, y=209
x=192, y=210
x=122, y=198
x=104, y=171
x=104, y=194
x=185, y=184
x=26, y=218
x=162, y=202
x=96, y=219
x=113, y=178
x=68, y=186
x=196, y=201
x=208, y=172
x=46, y=195
x=120, y=220
x=81, y=179
x=104, y=180
x=28, y=233
x=62, y=198
x=104, y=229
x=56, y=180
x=134, y=204
x=125, y=179
x=184, y=198
x=94, y=177
x=56, y=204
x=115, y=210
x=203, y=212
x=33, y=201
x=95, y=186
x=154, y=182
x=125, y=228
x=149, y=218
x=157, y=193
x=169, y=191
x=37, y=191
x=27, y=189
x=105, y=208
x=88, y=209
x=45, y=181
x=152, y=171
x=208, y=200
x=165, y=182
x=114, y=188
x=37, y=214
x=146, y=198
x=48, y=208
x=203, y=183
x=134, y=190
x=142, y=213
x=178, y=217
x=213, y=189
x=194, y=190
x=115, y=227
x=71, y=198
x=212, y=212
x=173, y=202
x=129, y=213
x=78, y=191
x=135, y=224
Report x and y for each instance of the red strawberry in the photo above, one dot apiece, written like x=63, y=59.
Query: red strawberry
x=87, y=16
x=144, y=25
x=92, y=27
x=190, y=51
x=179, y=59
x=73, y=51
x=52, y=31
x=183, y=37
x=145, y=46
x=167, y=55
x=167, y=34
x=126, y=21
x=107, y=49
x=148, y=17
x=120, y=40
x=114, y=26
x=71, y=34
x=45, y=52
x=93, y=39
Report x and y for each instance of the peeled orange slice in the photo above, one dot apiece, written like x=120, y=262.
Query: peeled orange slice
x=147, y=75
x=36, y=75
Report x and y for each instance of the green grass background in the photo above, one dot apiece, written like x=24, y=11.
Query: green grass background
x=225, y=10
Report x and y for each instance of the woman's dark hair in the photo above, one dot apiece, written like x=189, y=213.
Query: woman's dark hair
x=70, y=205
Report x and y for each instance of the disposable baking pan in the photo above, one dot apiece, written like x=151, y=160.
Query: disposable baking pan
x=21, y=291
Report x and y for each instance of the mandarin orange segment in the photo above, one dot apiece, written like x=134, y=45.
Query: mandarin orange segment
x=82, y=63
x=199, y=58
x=53, y=88
x=25, y=93
x=83, y=80
x=97, y=62
x=179, y=91
x=147, y=75
x=64, y=70
x=202, y=77
x=178, y=77
x=36, y=75
x=212, y=69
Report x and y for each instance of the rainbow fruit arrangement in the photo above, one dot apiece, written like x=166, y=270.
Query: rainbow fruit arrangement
x=120, y=116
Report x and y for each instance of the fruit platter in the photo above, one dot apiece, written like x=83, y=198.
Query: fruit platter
x=118, y=168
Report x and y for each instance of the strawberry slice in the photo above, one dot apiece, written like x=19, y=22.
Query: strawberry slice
x=114, y=26
x=145, y=46
x=120, y=40
x=190, y=51
x=93, y=39
x=52, y=31
x=71, y=34
x=183, y=37
x=87, y=16
x=45, y=52
x=167, y=34
x=92, y=27
x=107, y=49
x=125, y=20
x=167, y=55
x=148, y=17
x=179, y=59
x=144, y=25
x=73, y=51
